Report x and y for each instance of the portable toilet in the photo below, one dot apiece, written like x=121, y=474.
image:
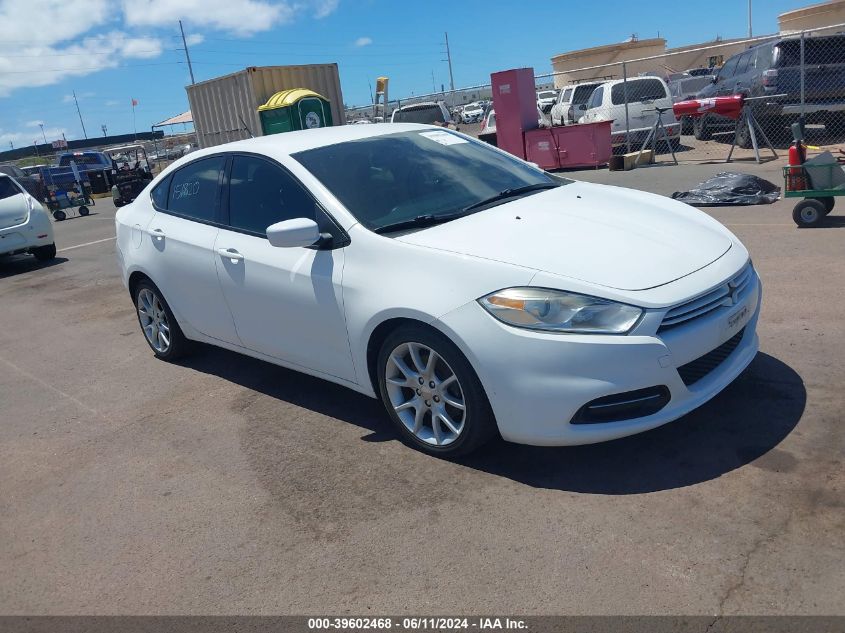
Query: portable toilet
x=296, y=109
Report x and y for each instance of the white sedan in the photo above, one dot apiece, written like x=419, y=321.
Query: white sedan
x=25, y=226
x=471, y=292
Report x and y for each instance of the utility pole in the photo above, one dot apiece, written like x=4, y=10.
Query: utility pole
x=41, y=125
x=187, y=56
x=449, y=59
x=749, y=20
x=105, y=129
x=79, y=112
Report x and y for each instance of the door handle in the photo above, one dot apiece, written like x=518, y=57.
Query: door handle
x=158, y=234
x=230, y=254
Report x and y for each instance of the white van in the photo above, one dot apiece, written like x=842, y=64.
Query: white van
x=644, y=94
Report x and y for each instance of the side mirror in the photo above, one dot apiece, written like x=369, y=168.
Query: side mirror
x=293, y=233
x=583, y=107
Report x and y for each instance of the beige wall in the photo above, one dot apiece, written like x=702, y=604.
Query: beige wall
x=667, y=60
x=813, y=16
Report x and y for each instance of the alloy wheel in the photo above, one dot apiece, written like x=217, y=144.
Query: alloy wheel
x=425, y=394
x=154, y=321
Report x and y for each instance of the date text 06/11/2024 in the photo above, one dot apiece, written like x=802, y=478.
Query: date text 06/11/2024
x=413, y=624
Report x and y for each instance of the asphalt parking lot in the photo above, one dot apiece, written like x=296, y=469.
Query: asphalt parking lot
x=225, y=485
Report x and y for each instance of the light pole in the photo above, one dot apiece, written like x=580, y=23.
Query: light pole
x=749, y=20
x=41, y=125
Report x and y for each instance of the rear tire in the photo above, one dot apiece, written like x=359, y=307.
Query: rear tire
x=59, y=215
x=700, y=130
x=427, y=392
x=158, y=325
x=828, y=203
x=45, y=253
x=808, y=213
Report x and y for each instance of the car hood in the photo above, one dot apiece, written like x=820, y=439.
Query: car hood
x=608, y=236
x=13, y=211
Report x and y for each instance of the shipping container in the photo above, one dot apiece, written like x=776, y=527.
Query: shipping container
x=225, y=109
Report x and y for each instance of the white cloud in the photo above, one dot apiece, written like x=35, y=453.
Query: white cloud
x=21, y=139
x=325, y=8
x=35, y=123
x=240, y=17
x=111, y=103
x=44, y=42
x=363, y=41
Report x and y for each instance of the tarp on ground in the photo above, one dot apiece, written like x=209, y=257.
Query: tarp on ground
x=730, y=189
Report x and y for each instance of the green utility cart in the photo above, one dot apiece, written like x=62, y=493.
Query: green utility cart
x=296, y=109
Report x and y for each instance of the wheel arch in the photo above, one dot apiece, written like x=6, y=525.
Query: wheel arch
x=378, y=336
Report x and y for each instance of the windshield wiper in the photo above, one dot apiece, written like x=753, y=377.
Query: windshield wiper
x=421, y=221
x=511, y=193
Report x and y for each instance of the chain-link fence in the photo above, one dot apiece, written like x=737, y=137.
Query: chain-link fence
x=784, y=78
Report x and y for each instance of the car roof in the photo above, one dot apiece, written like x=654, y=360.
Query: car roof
x=289, y=143
x=630, y=79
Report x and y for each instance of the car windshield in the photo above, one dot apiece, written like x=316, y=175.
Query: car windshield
x=384, y=180
x=638, y=90
x=549, y=94
x=582, y=93
x=419, y=114
x=7, y=188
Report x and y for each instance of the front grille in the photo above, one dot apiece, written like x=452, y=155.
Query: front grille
x=697, y=369
x=623, y=406
x=729, y=293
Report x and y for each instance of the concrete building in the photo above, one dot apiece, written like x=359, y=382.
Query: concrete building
x=812, y=17
x=604, y=62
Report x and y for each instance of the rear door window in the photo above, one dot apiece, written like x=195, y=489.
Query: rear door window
x=195, y=188
x=742, y=63
x=729, y=68
x=638, y=90
x=159, y=193
x=564, y=97
x=423, y=114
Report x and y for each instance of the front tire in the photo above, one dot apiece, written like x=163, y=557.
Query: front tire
x=159, y=326
x=45, y=253
x=432, y=394
x=808, y=213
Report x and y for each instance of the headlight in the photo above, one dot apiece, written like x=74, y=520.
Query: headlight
x=559, y=311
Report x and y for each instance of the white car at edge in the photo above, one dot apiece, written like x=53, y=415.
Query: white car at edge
x=25, y=225
x=472, y=293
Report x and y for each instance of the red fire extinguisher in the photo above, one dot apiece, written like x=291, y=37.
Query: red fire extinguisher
x=797, y=180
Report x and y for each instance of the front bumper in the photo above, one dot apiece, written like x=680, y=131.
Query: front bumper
x=638, y=136
x=537, y=382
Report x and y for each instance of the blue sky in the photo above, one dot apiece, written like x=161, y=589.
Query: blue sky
x=111, y=51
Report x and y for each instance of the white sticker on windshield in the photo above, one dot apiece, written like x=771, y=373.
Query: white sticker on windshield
x=444, y=138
